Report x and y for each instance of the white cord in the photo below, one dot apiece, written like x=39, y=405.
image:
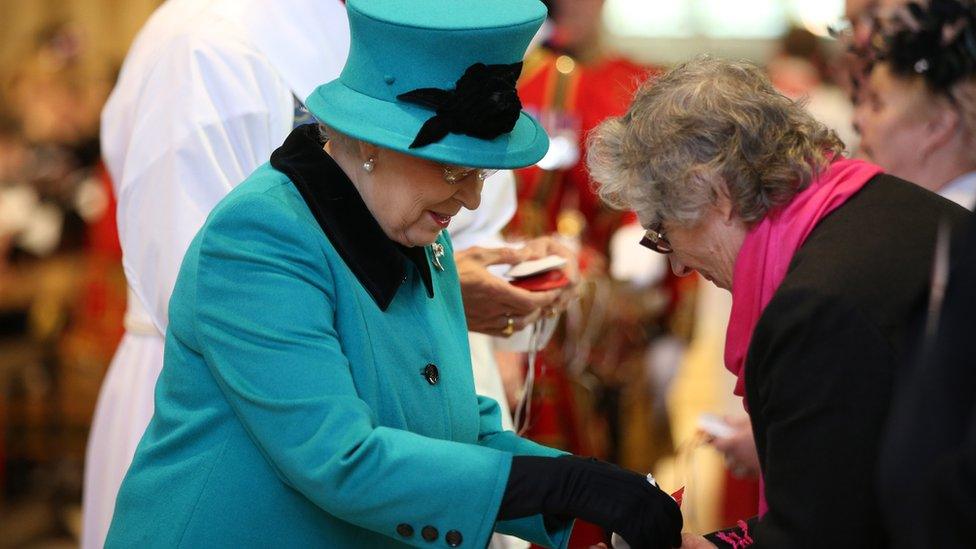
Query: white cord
x=523, y=411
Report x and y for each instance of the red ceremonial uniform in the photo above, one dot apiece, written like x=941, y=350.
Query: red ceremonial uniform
x=570, y=99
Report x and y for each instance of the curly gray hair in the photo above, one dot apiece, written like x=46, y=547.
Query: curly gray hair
x=704, y=123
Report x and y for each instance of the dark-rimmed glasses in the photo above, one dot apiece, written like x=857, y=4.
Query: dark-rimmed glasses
x=655, y=240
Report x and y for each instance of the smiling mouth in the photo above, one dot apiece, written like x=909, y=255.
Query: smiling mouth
x=442, y=220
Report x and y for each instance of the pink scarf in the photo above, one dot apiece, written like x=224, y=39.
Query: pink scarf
x=766, y=254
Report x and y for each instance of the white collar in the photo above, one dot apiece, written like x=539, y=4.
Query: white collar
x=307, y=41
x=961, y=190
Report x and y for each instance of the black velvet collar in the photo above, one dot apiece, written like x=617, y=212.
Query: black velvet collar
x=378, y=262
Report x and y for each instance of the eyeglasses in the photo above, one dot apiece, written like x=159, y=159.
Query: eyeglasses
x=456, y=174
x=655, y=240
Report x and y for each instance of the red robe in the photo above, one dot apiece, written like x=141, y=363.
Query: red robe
x=566, y=95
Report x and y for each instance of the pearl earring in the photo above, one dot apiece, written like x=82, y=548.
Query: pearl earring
x=369, y=165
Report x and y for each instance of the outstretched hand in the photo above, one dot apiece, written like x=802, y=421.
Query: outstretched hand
x=739, y=449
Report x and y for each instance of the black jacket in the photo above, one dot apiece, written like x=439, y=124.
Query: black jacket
x=824, y=357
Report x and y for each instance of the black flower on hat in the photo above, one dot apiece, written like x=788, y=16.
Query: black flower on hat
x=484, y=104
x=937, y=41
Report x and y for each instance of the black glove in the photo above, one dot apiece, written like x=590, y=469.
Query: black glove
x=596, y=491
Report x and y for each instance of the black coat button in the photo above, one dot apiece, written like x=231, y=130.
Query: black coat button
x=405, y=530
x=429, y=533
x=431, y=374
x=453, y=538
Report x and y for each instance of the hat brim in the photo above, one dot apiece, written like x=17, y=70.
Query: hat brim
x=394, y=125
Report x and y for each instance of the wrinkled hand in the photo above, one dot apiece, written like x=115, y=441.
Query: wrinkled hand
x=739, y=449
x=489, y=301
x=694, y=541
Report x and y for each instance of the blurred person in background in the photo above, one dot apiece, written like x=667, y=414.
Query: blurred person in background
x=59, y=89
x=862, y=20
x=208, y=90
x=801, y=70
x=61, y=293
x=917, y=116
x=53, y=98
x=828, y=263
x=854, y=33
x=858, y=13
x=573, y=81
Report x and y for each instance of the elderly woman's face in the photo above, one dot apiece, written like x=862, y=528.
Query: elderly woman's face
x=709, y=246
x=411, y=199
x=893, y=120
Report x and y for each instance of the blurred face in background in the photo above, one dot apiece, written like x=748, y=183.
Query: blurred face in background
x=859, y=13
x=578, y=21
x=895, y=117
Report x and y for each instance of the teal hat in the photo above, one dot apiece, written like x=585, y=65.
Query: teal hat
x=436, y=79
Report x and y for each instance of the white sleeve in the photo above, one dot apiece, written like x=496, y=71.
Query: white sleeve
x=205, y=119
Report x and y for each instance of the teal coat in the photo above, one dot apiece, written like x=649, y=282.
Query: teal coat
x=294, y=409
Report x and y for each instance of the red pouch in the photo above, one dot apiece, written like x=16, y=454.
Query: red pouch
x=548, y=280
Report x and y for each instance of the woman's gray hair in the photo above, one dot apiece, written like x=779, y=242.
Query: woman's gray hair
x=704, y=123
